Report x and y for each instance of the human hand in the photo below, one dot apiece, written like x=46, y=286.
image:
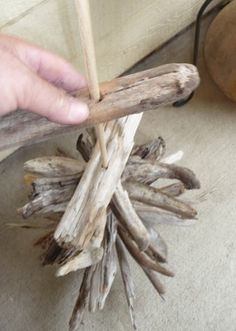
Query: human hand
x=33, y=79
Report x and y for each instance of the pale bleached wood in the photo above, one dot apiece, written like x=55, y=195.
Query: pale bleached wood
x=93, y=254
x=145, y=171
x=125, y=95
x=127, y=279
x=83, y=260
x=155, y=197
x=82, y=301
x=173, y=158
x=157, y=249
x=42, y=184
x=97, y=185
x=55, y=166
x=154, y=279
x=105, y=271
x=125, y=213
x=141, y=257
x=46, y=199
x=173, y=190
x=87, y=44
x=151, y=215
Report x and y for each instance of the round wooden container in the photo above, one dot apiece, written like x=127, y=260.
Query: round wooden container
x=220, y=50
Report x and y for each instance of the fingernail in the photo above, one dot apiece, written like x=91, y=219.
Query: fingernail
x=78, y=112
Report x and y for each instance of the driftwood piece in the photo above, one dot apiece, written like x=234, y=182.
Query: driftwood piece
x=141, y=257
x=173, y=190
x=153, y=150
x=127, y=279
x=151, y=215
x=97, y=185
x=46, y=201
x=153, y=277
x=120, y=97
x=55, y=166
x=157, y=249
x=42, y=184
x=93, y=254
x=155, y=197
x=105, y=271
x=83, y=260
x=147, y=172
x=125, y=213
x=82, y=301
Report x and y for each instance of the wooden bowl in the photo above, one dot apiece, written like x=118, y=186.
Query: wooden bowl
x=220, y=50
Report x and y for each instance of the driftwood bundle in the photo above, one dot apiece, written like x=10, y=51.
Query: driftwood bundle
x=106, y=204
x=125, y=226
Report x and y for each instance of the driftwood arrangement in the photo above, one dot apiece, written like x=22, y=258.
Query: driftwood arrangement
x=104, y=206
x=102, y=239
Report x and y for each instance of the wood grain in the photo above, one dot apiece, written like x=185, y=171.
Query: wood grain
x=126, y=95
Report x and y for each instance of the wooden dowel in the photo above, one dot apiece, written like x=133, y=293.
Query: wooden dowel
x=87, y=43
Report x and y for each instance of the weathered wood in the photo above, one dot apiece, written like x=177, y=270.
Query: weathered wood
x=43, y=184
x=152, y=150
x=151, y=215
x=97, y=185
x=152, y=276
x=145, y=171
x=173, y=190
x=127, y=278
x=82, y=301
x=157, y=249
x=170, y=159
x=83, y=260
x=105, y=272
x=93, y=254
x=141, y=257
x=55, y=166
x=45, y=200
x=125, y=213
x=155, y=197
x=125, y=95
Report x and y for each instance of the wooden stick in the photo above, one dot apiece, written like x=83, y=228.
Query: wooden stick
x=127, y=278
x=153, y=277
x=97, y=185
x=82, y=301
x=125, y=213
x=90, y=256
x=145, y=171
x=141, y=257
x=151, y=215
x=87, y=43
x=157, y=249
x=105, y=272
x=146, y=90
x=154, y=197
x=55, y=166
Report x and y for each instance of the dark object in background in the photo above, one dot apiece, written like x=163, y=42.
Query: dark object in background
x=220, y=50
x=182, y=102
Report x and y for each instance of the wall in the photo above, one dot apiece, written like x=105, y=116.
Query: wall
x=125, y=31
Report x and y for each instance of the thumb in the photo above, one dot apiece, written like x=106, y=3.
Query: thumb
x=43, y=98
